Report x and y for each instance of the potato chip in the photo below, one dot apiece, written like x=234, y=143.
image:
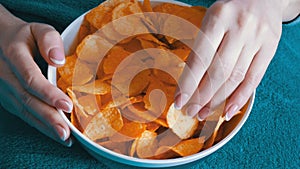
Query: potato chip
x=147, y=6
x=97, y=17
x=95, y=87
x=104, y=124
x=121, y=101
x=134, y=86
x=133, y=129
x=161, y=98
x=62, y=84
x=75, y=121
x=93, y=48
x=124, y=21
x=168, y=138
x=74, y=71
x=137, y=112
x=146, y=144
x=189, y=147
x=152, y=126
x=181, y=124
x=80, y=115
x=113, y=59
x=90, y=104
x=85, y=29
x=132, y=150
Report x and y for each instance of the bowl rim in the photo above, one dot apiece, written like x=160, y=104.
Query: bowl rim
x=134, y=161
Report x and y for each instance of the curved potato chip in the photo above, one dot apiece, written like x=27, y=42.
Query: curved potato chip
x=137, y=112
x=181, y=124
x=122, y=101
x=62, y=84
x=165, y=152
x=163, y=95
x=146, y=144
x=134, y=87
x=152, y=126
x=132, y=150
x=104, y=124
x=79, y=113
x=93, y=48
x=183, y=148
x=113, y=59
x=90, y=103
x=147, y=6
x=85, y=29
x=133, y=129
x=95, y=87
x=97, y=17
x=168, y=138
x=189, y=147
x=127, y=24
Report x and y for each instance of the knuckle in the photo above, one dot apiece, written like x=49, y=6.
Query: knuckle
x=253, y=80
x=201, y=62
x=220, y=72
x=244, y=20
x=26, y=99
x=29, y=77
x=221, y=9
x=237, y=76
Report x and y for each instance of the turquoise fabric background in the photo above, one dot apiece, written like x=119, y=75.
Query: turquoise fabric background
x=269, y=139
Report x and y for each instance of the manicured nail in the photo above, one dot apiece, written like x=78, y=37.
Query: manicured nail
x=61, y=132
x=57, y=56
x=193, y=109
x=64, y=105
x=69, y=142
x=180, y=100
x=203, y=114
x=231, y=112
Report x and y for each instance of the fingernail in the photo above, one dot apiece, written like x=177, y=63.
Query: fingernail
x=61, y=132
x=57, y=56
x=69, y=142
x=203, y=114
x=193, y=109
x=64, y=105
x=231, y=112
x=180, y=100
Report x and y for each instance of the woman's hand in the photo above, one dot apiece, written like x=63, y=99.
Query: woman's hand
x=24, y=91
x=238, y=40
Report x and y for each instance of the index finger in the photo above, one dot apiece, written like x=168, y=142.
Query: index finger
x=203, y=52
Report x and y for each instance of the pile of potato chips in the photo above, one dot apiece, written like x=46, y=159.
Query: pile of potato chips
x=123, y=75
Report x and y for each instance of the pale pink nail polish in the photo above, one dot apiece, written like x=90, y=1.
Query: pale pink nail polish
x=61, y=132
x=180, y=101
x=231, y=112
x=64, y=105
x=203, y=114
x=69, y=142
x=57, y=56
x=193, y=109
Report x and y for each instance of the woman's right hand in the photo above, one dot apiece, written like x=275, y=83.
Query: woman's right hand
x=24, y=91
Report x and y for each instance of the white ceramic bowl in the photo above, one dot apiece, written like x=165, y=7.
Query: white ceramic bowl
x=69, y=37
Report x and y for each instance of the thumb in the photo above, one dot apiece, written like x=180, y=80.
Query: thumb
x=49, y=43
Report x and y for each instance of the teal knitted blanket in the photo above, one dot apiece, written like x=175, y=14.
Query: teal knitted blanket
x=269, y=139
